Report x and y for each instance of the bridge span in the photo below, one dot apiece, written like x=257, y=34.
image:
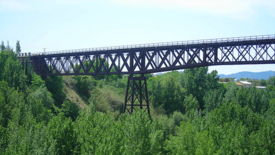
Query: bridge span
x=155, y=57
x=151, y=58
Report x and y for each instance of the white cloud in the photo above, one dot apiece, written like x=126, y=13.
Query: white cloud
x=233, y=8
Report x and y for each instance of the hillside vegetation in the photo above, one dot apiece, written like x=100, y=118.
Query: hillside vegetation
x=192, y=113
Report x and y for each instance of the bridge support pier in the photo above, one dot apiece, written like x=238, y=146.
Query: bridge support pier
x=136, y=94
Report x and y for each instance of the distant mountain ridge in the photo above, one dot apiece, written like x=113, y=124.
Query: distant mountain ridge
x=251, y=75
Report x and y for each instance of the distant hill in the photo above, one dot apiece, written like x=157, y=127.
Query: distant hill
x=251, y=75
x=158, y=74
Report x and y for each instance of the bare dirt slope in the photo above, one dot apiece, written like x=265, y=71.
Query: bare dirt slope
x=73, y=96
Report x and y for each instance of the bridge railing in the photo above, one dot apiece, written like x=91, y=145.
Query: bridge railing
x=161, y=44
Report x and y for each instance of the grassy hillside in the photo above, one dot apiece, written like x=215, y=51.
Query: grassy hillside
x=71, y=94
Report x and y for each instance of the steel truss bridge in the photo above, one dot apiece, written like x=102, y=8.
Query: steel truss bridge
x=152, y=58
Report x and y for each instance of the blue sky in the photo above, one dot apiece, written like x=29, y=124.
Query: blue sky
x=76, y=24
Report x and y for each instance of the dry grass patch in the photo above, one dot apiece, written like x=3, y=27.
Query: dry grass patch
x=69, y=89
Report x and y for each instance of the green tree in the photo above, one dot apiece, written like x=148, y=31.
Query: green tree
x=197, y=82
x=37, y=81
x=229, y=112
x=5, y=108
x=166, y=92
x=244, y=79
x=61, y=130
x=253, y=98
x=18, y=48
x=99, y=133
x=42, y=94
x=213, y=99
x=2, y=46
x=172, y=95
x=270, y=113
x=189, y=141
x=11, y=70
x=137, y=138
x=55, y=85
x=156, y=96
x=84, y=84
x=70, y=110
x=190, y=104
x=263, y=82
x=230, y=92
x=271, y=80
x=226, y=79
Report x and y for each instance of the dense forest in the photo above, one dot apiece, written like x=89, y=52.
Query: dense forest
x=191, y=113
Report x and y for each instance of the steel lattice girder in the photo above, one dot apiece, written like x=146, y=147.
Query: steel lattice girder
x=155, y=59
x=136, y=91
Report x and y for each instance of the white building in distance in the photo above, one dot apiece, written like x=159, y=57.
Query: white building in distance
x=246, y=84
